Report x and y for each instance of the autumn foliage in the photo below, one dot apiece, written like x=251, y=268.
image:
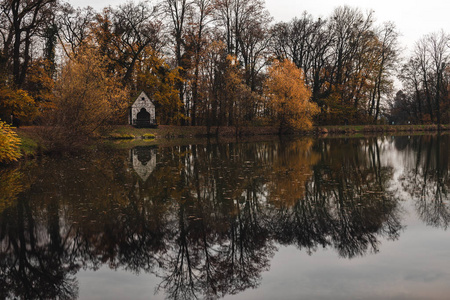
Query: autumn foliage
x=9, y=144
x=158, y=80
x=87, y=99
x=17, y=103
x=289, y=96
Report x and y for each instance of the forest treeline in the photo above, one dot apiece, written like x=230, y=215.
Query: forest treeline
x=213, y=63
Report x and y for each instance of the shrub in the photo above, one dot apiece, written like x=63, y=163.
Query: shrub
x=148, y=136
x=9, y=144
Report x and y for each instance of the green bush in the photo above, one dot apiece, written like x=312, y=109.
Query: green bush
x=9, y=144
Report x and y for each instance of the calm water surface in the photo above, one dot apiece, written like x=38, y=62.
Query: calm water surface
x=300, y=219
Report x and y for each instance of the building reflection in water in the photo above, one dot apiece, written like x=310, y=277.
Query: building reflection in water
x=143, y=160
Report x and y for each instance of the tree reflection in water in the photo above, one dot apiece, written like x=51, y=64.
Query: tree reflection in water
x=33, y=261
x=426, y=177
x=205, y=218
x=346, y=204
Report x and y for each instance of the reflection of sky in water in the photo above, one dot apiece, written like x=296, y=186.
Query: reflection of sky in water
x=120, y=285
x=398, y=271
x=414, y=267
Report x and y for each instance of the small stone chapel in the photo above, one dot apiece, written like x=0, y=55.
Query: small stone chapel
x=142, y=112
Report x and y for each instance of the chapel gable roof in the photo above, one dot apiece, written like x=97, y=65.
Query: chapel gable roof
x=141, y=95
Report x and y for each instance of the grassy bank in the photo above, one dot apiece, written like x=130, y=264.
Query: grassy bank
x=29, y=143
x=169, y=132
x=350, y=129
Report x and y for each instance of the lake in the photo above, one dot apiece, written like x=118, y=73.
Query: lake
x=328, y=218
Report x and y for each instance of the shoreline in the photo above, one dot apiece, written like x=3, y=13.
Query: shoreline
x=31, y=146
x=169, y=131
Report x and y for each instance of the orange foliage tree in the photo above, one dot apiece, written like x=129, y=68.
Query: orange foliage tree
x=289, y=96
x=40, y=84
x=159, y=81
x=87, y=98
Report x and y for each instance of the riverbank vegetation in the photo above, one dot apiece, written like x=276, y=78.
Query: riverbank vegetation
x=9, y=144
x=211, y=63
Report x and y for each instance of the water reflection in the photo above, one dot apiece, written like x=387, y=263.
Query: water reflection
x=346, y=204
x=426, y=178
x=143, y=160
x=207, y=219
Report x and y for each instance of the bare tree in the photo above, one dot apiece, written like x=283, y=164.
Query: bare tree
x=134, y=28
x=197, y=34
x=74, y=26
x=21, y=22
x=426, y=75
x=386, y=59
x=439, y=53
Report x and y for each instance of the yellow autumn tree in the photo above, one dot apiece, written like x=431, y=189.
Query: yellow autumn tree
x=289, y=96
x=16, y=103
x=9, y=144
x=87, y=99
x=40, y=84
x=159, y=81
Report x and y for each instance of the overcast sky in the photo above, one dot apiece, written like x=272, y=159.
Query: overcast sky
x=413, y=18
